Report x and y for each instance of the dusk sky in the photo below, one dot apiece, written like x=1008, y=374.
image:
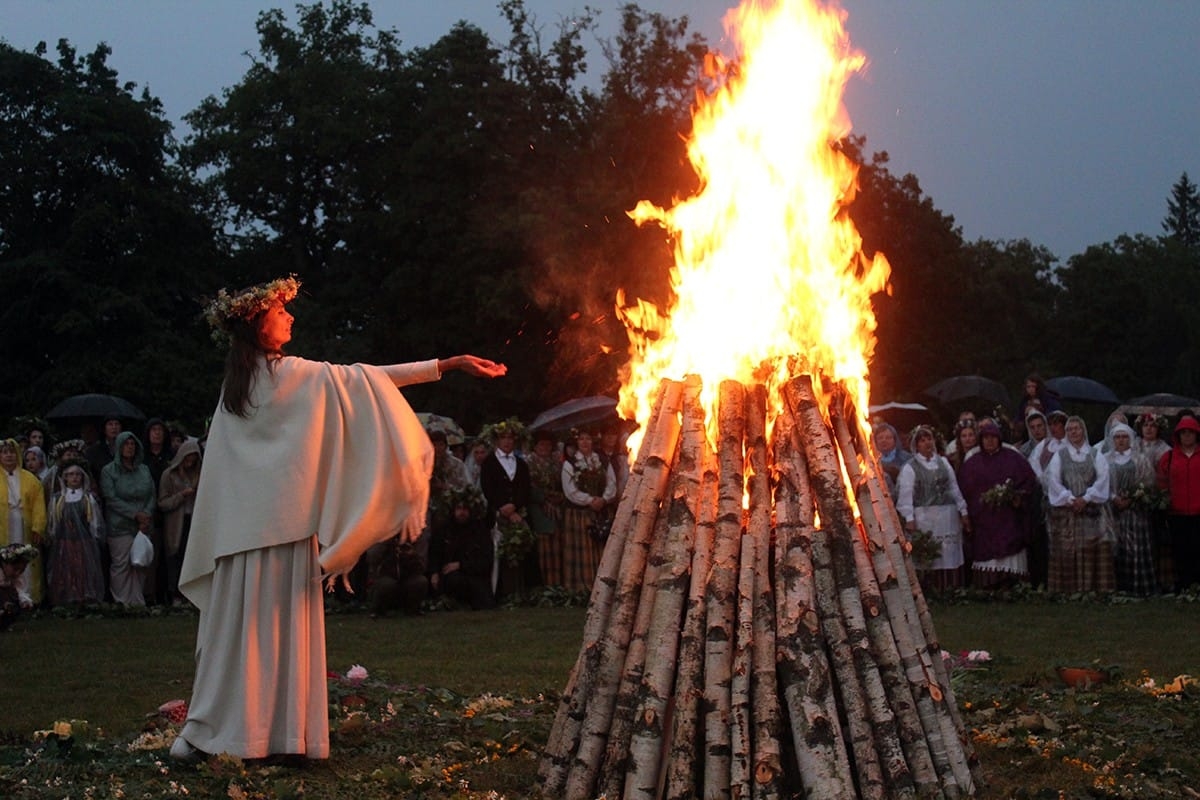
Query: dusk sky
x=1064, y=122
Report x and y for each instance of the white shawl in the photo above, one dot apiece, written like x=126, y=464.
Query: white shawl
x=327, y=449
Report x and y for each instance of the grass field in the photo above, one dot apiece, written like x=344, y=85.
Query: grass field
x=459, y=703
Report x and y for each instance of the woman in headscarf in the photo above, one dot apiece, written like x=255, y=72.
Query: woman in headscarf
x=306, y=466
x=22, y=515
x=74, y=572
x=891, y=454
x=1131, y=481
x=176, y=500
x=1002, y=496
x=35, y=462
x=1153, y=431
x=1080, y=522
x=928, y=499
x=588, y=484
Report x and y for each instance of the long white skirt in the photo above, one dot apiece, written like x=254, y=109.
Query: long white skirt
x=260, y=684
x=945, y=524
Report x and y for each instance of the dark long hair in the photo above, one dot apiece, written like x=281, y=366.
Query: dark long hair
x=241, y=364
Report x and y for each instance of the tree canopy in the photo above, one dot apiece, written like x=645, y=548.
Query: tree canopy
x=471, y=195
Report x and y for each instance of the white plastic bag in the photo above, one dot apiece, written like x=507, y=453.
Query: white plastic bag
x=141, y=553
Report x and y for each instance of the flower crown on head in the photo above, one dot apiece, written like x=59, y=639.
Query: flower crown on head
x=247, y=303
x=12, y=553
x=511, y=427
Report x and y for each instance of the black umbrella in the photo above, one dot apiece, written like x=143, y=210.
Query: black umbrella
x=95, y=405
x=968, y=391
x=575, y=413
x=1083, y=390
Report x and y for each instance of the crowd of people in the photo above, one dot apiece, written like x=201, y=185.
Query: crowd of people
x=508, y=512
x=1033, y=499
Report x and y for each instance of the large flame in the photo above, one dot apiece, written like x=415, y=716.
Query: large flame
x=768, y=266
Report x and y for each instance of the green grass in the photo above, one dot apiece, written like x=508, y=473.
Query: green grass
x=115, y=671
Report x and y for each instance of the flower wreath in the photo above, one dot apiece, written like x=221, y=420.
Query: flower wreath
x=469, y=496
x=247, y=303
x=494, y=431
x=16, y=553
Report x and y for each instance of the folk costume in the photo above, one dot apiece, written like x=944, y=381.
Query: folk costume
x=1130, y=477
x=584, y=478
x=1081, y=556
x=927, y=495
x=546, y=512
x=74, y=571
x=1002, y=496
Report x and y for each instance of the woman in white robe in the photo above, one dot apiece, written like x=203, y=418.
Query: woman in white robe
x=928, y=499
x=306, y=465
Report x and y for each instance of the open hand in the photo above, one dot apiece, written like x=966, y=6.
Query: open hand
x=473, y=365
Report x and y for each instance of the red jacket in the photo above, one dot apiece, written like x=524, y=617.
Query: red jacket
x=1179, y=474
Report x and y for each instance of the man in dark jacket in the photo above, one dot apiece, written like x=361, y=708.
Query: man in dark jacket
x=505, y=481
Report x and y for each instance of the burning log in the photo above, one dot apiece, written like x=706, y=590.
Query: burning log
x=749, y=652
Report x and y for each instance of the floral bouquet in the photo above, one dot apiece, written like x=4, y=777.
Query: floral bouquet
x=1002, y=494
x=517, y=540
x=1150, y=497
x=591, y=479
x=923, y=548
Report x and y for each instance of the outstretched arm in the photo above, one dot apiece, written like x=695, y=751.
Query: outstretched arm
x=472, y=365
x=426, y=371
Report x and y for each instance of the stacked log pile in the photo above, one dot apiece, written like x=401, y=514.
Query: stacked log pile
x=734, y=652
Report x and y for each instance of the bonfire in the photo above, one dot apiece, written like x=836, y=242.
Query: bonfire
x=756, y=627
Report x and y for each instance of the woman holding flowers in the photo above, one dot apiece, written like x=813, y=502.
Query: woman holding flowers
x=1001, y=491
x=930, y=503
x=1080, y=523
x=1134, y=498
x=589, y=485
x=546, y=506
x=307, y=464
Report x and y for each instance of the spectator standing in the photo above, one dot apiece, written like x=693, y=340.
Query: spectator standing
x=1035, y=393
x=588, y=485
x=1153, y=431
x=1133, y=489
x=1035, y=427
x=1179, y=474
x=1080, y=522
x=101, y=452
x=506, y=485
x=74, y=531
x=546, y=506
x=129, y=503
x=890, y=452
x=1002, y=495
x=23, y=519
x=176, y=501
x=928, y=499
x=965, y=440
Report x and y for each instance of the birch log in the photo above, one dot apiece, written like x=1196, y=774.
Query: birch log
x=805, y=675
x=684, y=750
x=673, y=581
x=633, y=523
x=720, y=595
x=825, y=475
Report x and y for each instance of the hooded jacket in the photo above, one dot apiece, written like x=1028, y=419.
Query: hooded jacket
x=126, y=490
x=1179, y=473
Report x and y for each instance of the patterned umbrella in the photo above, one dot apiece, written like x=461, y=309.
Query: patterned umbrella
x=436, y=422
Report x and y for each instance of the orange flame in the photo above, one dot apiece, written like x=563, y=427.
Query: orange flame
x=768, y=265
